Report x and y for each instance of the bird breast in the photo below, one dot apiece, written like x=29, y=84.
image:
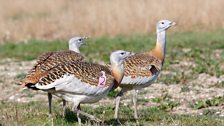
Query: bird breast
x=70, y=84
x=138, y=82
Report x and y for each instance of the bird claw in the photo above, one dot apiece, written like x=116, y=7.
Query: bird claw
x=49, y=115
x=96, y=120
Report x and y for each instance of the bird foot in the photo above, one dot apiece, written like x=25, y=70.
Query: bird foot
x=96, y=119
x=49, y=115
x=137, y=122
x=63, y=115
x=118, y=121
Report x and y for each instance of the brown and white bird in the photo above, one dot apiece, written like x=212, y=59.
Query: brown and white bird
x=49, y=60
x=142, y=69
x=78, y=82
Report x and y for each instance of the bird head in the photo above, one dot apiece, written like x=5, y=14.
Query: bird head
x=77, y=42
x=164, y=25
x=117, y=67
x=117, y=57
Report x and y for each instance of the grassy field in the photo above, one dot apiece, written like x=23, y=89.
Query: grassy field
x=53, y=19
x=35, y=113
x=205, y=50
x=201, y=46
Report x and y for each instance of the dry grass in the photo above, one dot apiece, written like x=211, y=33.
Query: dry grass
x=54, y=19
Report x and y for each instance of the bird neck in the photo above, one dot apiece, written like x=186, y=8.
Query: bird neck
x=160, y=48
x=117, y=71
x=74, y=48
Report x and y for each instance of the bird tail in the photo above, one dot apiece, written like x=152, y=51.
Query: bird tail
x=29, y=83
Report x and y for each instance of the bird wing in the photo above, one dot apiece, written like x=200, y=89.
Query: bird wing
x=47, y=61
x=141, y=68
x=77, y=78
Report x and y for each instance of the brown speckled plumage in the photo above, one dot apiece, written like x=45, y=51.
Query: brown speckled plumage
x=86, y=72
x=47, y=61
x=139, y=65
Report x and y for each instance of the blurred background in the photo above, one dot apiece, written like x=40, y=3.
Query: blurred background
x=55, y=19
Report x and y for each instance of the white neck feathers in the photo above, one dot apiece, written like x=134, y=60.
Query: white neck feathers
x=74, y=48
x=161, y=42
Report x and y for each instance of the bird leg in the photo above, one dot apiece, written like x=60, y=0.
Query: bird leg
x=49, y=101
x=63, y=107
x=79, y=119
x=118, y=98
x=77, y=109
x=135, y=94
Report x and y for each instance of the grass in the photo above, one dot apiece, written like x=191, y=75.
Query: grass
x=198, y=42
x=215, y=101
x=29, y=50
x=35, y=113
x=165, y=103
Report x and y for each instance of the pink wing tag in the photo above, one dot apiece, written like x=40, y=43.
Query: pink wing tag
x=102, y=79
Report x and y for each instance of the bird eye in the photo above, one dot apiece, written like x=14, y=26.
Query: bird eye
x=162, y=22
x=122, y=53
x=80, y=39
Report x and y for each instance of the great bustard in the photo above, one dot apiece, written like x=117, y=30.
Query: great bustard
x=49, y=60
x=140, y=70
x=82, y=82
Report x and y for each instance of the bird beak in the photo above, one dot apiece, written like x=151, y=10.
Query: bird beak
x=84, y=38
x=84, y=44
x=173, y=23
x=129, y=54
x=132, y=53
